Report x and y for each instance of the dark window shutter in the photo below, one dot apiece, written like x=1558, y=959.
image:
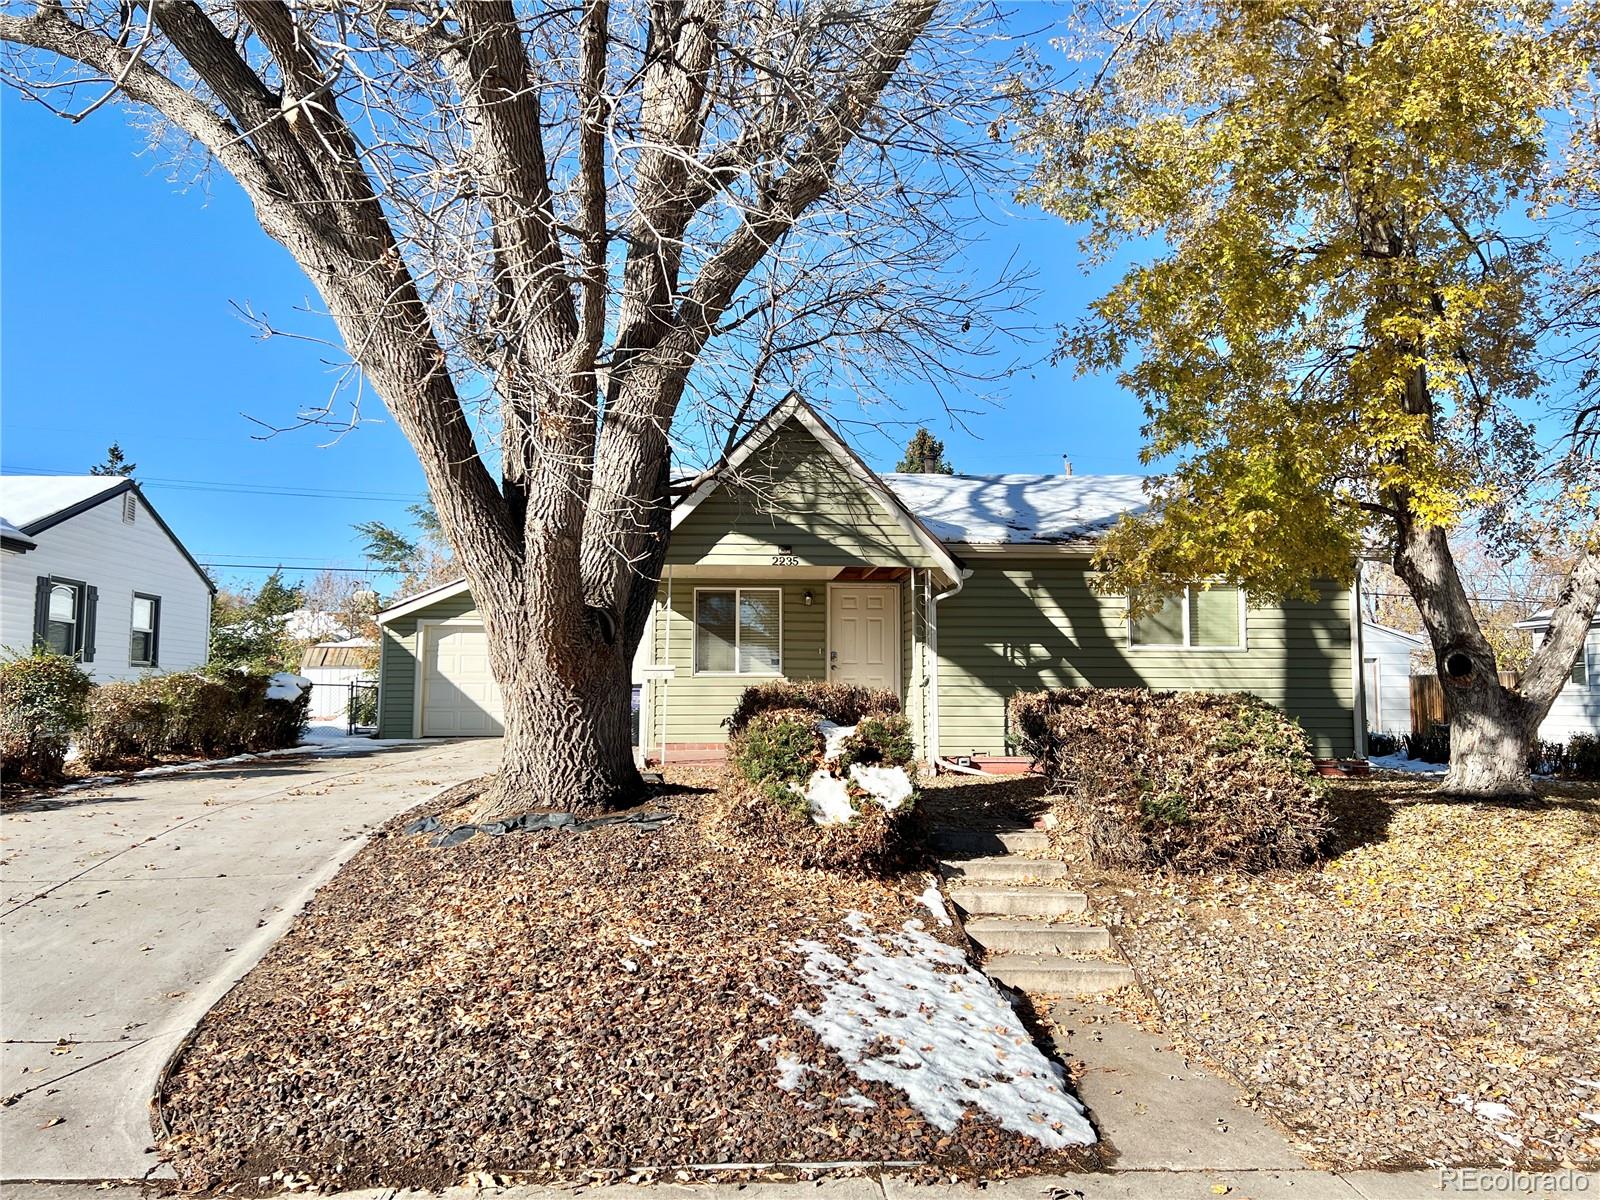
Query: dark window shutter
x=41, y=610
x=155, y=631
x=91, y=604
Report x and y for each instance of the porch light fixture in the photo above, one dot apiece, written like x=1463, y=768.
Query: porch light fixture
x=808, y=597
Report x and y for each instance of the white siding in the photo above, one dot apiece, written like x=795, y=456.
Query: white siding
x=119, y=559
x=1577, y=708
x=1386, y=671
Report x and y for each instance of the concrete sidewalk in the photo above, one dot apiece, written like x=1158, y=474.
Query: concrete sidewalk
x=129, y=910
x=1106, y=1185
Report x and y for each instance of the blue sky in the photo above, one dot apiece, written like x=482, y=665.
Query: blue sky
x=117, y=323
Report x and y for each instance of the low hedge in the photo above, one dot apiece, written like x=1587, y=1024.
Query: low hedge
x=776, y=748
x=198, y=714
x=1187, y=781
x=841, y=703
x=43, y=704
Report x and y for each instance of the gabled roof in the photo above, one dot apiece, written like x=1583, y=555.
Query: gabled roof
x=35, y=503
x=1020, y=509
x=1416, y=639
x=12, y=538
x=794, y=408
x=1541, y=620
x=422, y=600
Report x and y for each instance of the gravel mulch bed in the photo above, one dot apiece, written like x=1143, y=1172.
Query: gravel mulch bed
x=542, y=1005
x=1430, y=995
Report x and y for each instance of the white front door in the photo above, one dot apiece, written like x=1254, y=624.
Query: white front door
x=864, y=635
x=459, y=695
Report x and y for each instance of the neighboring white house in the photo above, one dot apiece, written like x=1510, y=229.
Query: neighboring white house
x=332, y=667
x=1577, y=708
x=1386, y=676
x=87, y=567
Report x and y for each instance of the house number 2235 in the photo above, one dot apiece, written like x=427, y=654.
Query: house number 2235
x=786, y=560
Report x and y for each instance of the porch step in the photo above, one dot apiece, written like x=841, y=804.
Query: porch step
x=1018, y=901
x=1058, y=976
x=1002, y=935
x=957, y=841
x=1009, y=868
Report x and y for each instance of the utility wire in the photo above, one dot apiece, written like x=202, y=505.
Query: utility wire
x=248, y=489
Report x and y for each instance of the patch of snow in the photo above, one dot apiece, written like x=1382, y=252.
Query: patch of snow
x=790, y=1072
x=889, y=786
x=317, y=745
x=1593, y=1118
x=284, y=686
x=833, y=739
x=1019, y=508
x=1399, y=762
x=1486, y=1110
x=933, y=901
x=827, y=799
x=909, y=1011
x=854, y=1099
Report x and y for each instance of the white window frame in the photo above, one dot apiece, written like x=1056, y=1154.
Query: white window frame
x=694, y=635
x=1186, y=646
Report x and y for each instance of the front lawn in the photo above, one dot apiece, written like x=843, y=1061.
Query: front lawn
x=545, y=1004
x=1431, y=994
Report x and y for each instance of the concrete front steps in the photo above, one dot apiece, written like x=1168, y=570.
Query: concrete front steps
x=1017, y=912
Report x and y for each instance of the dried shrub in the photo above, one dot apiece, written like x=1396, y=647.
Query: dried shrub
x=43, y=703
x=775, y=743
x=189, y=714
x=841, y=703
x=127, y=725
x=775, y=749
x=879, y=741
x=1188, y=781
x=877, y=842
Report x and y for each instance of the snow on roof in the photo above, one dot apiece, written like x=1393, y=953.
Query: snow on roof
x=1541, y=620
x=1001, y=509
x=12, y=534
x=28, y=499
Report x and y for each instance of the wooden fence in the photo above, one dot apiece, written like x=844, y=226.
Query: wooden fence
x=1427, y=700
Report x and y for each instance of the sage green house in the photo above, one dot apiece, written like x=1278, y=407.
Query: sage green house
x=955, y=591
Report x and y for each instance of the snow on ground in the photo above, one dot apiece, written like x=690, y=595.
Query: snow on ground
x=1399, y=762
x=933, y=901
x=911, y=1012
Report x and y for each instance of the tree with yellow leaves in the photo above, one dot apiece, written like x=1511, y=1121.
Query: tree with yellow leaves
x=1362, y=261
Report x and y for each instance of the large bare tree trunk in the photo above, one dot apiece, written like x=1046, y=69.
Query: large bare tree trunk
x=1492, y=726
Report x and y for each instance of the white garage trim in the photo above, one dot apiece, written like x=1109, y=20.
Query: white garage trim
x=419, y=660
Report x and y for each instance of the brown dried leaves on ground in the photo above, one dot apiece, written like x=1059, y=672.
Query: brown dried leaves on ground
x=1431, y=994
x=544, y=1004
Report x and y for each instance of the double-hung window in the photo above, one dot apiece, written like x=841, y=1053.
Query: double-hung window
x=144, y=635
x=1196, y=618
x=63, y=617
x=738, y=631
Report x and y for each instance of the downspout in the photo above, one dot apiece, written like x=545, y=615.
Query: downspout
x=933, y=672
x=1358, y=677
x=666, y=683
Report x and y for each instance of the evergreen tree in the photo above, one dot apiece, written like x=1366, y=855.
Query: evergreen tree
x=115, y=464
x=924, y=456
x=250, y=630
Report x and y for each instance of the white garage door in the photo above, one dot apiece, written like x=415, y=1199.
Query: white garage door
x=459, y=695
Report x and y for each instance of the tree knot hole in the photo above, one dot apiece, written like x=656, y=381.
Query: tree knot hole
x=1458, y=667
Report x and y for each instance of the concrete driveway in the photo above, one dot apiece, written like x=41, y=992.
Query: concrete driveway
x=127, y=912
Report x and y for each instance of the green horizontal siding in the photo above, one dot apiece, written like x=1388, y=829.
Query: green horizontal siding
x=793, y=493
x=1029, y=624
x=398, y=666
x=690, y=707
